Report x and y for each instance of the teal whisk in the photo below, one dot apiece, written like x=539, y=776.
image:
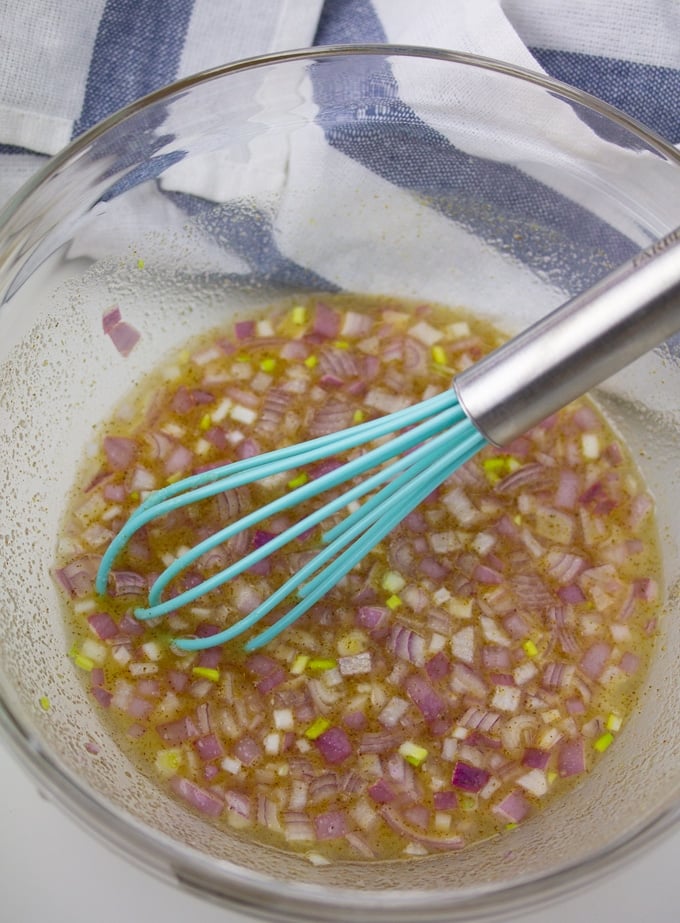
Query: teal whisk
x=554, y=361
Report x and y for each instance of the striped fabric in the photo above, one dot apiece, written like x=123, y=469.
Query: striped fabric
x=66, y=64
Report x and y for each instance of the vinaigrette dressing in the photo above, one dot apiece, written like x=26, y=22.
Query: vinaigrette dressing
x=472, y=667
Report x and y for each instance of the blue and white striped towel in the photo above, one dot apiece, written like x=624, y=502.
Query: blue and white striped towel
x=66, y=64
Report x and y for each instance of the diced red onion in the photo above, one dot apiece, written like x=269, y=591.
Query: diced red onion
x=566, y=495
x=435, y=570
x=571, y=758
x=381, y=792
x=377, y=742
x=394, y=820
x=248, y=750
x=178, y=680
x=261, y=538
x=393, y=712
x=646, y=589
x=338, y=364
x=114, y=493
x=438, y=667
x=552, y=675
x=204, y=801
x=355, y=720
x=239, y=803
x=247, y=449
x=209, y=748
x=124, y=337
x=465, y=679
x=516, y=626
x=120, y=452
x=246, y=598
x=181, y=403
x=150, y=688
x=274, y=407
x=334, y=745
x=530, y=475
x=326, y=321
x=575, y=706
x=331, y=825
x=139, y=708
x=416, y=597
x=127, y=583
x=375, y=619
x=323, y=787
x=78, y=576
x=270, y=671
x=355, y=324
x=267, y=813
x=532, y=591
x=425, y=698
x=244, y=329
x=595, y=659
x=294, y=350
x=141, y=479
x=130, y=626
x=369, y=368
x=103, y=625
x=445, y=801
x=330, y=382
x=513, y=808
x=203, y=719
x=110, y=318
x=572, y=594
x=416, y=356
x=469, y=778
x=355, y=664
x=179, y=460
x=535, y=758
x=484, y=574
x=334, y=415
x=480, y=718
x=586, y=419
x=392, y=350
x=217, y=437
x=178, y=731
x=416, y=814
x=103, y=696
x=408, y=645
x=630, y=662
x=297, y=826
x=496, y=658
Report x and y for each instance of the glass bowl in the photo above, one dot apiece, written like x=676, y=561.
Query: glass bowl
x=408, y=171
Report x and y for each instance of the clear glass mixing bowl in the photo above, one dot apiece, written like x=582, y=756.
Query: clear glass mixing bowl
x=416, y=172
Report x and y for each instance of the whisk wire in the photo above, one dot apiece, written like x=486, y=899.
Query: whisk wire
x=208, y=483
x=158, y=608
x=387, y=508
x=404, y=442
x=401, y=504
x=360, y=525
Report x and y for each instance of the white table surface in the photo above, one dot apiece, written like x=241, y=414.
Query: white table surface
x=51, y=870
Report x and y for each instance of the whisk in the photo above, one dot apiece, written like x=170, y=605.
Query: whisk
x=511, y=389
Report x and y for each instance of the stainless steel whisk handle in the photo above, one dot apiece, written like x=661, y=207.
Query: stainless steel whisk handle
x=576, y=346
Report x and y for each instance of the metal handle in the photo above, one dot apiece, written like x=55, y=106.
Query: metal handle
x=578, y=345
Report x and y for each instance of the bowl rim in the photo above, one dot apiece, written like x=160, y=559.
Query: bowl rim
x=254, y=892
